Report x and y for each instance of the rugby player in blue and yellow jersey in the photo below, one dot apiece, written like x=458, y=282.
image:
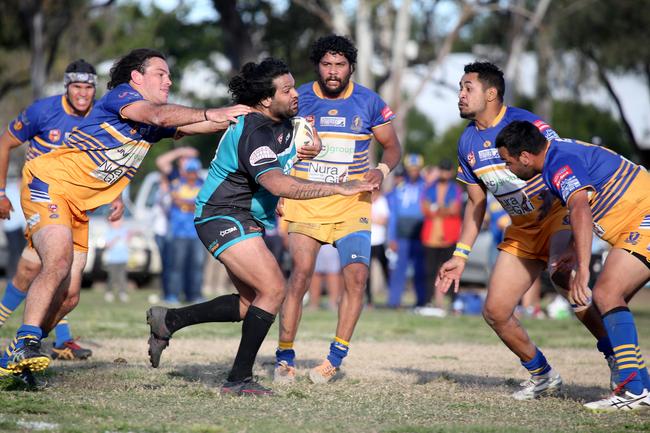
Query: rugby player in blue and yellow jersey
x=45, y=124
x=608, y=195
x=347, y=117
x=236, y=204
x=538, y=233
x=96, y=162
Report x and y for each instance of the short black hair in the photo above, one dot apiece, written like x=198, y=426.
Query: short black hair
x=333, y=44
x=255, y=81
x=520, y=136
x=136, y=60
x=489, y=75
x=80, y=66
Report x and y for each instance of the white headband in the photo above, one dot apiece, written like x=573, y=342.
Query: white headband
x=79, y=77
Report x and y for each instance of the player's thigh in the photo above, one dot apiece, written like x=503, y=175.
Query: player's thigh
x=304, y=250
x=254, y=265
x=511, y=277
x=623, y=273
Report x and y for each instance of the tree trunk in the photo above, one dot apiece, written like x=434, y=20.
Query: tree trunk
x=517, y=47
x=644, y=154
x=38, y=52
x=237, y=35
x=543, y=98
x=364, y=45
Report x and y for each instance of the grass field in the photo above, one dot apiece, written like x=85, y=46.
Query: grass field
x=405, y=373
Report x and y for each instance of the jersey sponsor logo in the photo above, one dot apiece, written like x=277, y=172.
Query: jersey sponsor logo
x=333, y=112
x=487, y=143
x=33, y=220
x=108, y=172
x=18, y=125
x=633, y=238
x=560, y=175
x=486, y=154
x=229, y=230
x=516, y=203
x=52, y=207
x=330, y=173
x=54, y=135
x=125, y=94
x=337, y=150
x=54, y=216
x=334, y=122
x=541, y=125
x=357, y=123
x=598, y=230
x=387, y=113
x=363, y=220
x=471, y=160
x=262, y=155
x=120, y=159
x=568, y=186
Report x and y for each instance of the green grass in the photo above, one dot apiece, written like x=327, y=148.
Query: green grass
x=425, y=393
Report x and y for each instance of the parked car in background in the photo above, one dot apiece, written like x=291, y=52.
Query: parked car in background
x=144, y=259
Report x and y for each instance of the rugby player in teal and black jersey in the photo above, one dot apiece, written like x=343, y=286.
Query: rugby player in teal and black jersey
x=235, y=206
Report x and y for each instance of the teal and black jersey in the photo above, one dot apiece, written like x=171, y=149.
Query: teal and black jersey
x=249, y=148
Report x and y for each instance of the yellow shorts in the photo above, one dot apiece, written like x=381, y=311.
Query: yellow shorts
x=43, y=208
x=329, y=232
x=627, y=224
x=534, y=241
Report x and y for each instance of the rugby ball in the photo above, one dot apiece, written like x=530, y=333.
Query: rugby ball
x=303, y=132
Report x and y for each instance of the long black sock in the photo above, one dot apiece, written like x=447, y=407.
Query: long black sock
x=254, y=329
x=222, y=309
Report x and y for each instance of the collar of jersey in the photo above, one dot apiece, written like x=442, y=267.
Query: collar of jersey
x=496, y=120
x=346, y=93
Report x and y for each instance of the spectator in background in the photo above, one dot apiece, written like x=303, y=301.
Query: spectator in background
x=327, y=270
x=14, y=229
x=186, y=252
x=379, y=219
x=441, y=207
x=188, y=255
x=160, y=225
x=115, y=258
x=404, y=228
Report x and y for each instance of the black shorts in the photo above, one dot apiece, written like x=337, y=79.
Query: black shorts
x=222, y=231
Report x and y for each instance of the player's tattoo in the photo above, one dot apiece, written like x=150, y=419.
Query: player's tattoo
x=304, y=190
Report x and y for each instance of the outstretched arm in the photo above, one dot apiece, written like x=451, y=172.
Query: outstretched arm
x=172, y=115
x=291, y=187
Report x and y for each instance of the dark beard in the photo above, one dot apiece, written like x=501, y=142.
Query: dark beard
x=332, y=93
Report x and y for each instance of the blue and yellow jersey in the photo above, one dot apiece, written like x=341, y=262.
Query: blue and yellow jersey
x=572, y=166
x=45, y=124
x=248, y=149
x=479, y=162
x=345, y=126
x=101, y=155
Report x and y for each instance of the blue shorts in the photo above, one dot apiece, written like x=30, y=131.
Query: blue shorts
x=354, y=248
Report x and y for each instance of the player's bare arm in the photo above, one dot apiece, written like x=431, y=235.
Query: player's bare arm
x=7, y=142
x=172, y=115
x=581, y=225
x=452, y=269
x=291, y=187
x=391, y=155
